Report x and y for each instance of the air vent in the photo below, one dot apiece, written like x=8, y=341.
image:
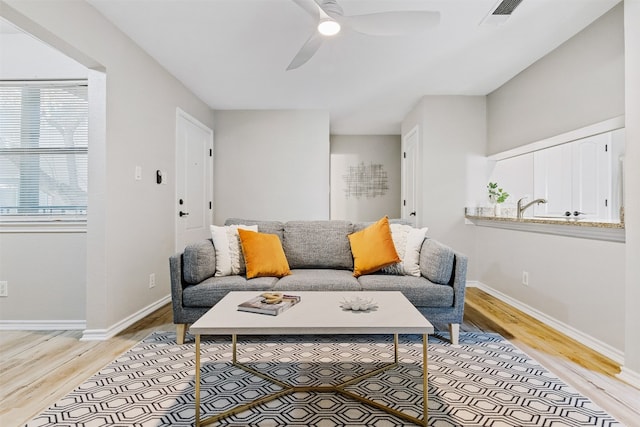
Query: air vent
x=501, y=12
x=506, y=7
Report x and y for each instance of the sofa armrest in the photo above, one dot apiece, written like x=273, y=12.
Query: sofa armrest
x=437, y=262
x=177, y=285
x=459, y=282
x=442, y=265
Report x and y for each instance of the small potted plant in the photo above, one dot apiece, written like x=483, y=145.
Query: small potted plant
x=497, y=195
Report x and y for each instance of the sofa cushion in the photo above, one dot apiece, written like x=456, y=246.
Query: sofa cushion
x=263, y=254
x=418, y=290
x=318, y=244
x=318, y=280
x=373, y=248
x=213, y=289
x=436, y=261
x=229, y=258
x=408, y=241
x=269, y=227
x=199, y=261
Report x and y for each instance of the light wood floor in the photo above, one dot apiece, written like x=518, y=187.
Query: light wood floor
x=37, y=368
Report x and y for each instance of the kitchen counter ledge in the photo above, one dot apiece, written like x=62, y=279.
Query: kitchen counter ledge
x=586, y=229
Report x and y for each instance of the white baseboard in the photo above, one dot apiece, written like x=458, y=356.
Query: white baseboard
x=42, y=325
x=103, y=334
x=630, y=377
x=591, y=342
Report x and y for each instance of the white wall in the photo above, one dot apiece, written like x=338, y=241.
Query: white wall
x=570, y=279
x=578, y=84
x=131, y=223
x=452, y=135
x=271, y=165
x=631, y=370
x=349, y=151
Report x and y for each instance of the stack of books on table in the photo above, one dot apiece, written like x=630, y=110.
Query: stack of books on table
x=269, y=303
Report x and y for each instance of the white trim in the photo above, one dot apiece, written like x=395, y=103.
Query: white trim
x=42, y=325
x=417, y=178
x=591, y=342
x=64, y=226
x=611, y=232
x=104, y=334
x=594, y=129
x=630, y=377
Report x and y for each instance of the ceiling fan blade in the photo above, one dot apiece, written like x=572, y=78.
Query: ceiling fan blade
x=305, y=53
x=331, y=8
x=310, y=7
x=393, y=23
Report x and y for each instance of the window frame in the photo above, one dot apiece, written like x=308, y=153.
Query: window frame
x=54, y=222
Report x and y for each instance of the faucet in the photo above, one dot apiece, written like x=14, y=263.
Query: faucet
x=521, y=208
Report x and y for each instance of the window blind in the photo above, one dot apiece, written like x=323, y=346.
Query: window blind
x=43, y=149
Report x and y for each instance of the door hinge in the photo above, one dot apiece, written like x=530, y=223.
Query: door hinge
x=606, y=147
x=210, y=152
x=404, y=154
x=404, y=203
x=210, y=205
x=606, y=203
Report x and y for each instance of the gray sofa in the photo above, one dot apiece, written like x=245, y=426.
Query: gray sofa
x=319, y=255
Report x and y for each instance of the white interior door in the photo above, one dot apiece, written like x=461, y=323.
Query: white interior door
x=194, y=180
x=552, y=180
x=410, y=176
x=592, y=176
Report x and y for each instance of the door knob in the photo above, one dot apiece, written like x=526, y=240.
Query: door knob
x=183, y=213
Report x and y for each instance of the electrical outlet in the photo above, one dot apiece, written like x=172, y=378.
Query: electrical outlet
x=4, y=288
x=525, y=278
x=152, y=280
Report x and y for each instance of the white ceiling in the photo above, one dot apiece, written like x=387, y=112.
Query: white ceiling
x=233, y=53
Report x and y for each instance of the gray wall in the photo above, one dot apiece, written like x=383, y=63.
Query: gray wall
x=46, y=273
x=130, y=231
x=53, y=292
x=271, y=165
x=570, y=279
x=578, y=84
x=631, y=367
x=352, y=150
x=452, y=135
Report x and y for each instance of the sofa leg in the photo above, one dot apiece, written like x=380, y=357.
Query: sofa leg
x=454, y=332
x=181, y=332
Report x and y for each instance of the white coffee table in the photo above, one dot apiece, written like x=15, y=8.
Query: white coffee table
x=319, y=313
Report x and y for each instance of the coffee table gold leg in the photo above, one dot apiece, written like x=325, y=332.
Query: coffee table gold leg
x=197, y=380
x=425, y=398
x=233, y=348
x=395, y=348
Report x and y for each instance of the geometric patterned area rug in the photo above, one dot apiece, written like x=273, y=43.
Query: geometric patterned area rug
x=483, y=381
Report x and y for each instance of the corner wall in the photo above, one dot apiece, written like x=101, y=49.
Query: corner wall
x=452, y=136
x=631, y=369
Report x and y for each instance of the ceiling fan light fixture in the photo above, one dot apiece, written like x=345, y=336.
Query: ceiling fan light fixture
x=328, y=27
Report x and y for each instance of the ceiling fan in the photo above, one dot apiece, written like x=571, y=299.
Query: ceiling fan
x=331, y=19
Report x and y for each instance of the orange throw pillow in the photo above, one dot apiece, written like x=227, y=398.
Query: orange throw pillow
x=373, y=248
x=263, y=254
